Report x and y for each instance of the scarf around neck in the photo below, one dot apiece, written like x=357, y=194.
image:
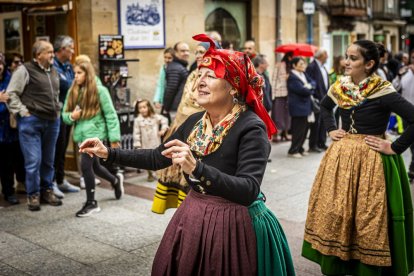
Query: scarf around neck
x=348, y=95
x=206, y=138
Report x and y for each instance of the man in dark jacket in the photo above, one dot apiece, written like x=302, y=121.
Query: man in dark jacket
x=34, y=96
x=261, y=65
x=176, y=76
x=317, y=72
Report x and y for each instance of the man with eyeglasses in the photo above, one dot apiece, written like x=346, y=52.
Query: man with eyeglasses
x=64, y=49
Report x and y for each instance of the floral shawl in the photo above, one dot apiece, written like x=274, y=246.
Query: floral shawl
x=348, y=95
x=205, y=139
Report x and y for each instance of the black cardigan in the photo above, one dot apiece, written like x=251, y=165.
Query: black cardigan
x=234, y=171
x=372, y=117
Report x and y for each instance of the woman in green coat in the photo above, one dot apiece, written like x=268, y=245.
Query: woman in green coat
x=88, y=106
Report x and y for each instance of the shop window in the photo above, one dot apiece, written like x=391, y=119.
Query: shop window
x=227, y=18
x=222, y=21
x=11, y=32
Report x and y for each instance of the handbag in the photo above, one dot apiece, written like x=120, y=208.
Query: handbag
x=316, y=106
x=12, y=120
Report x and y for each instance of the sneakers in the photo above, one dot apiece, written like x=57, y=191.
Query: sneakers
x=82, y=182
x=33, y=203
x=304, y=153
x=66, y=187
x=56, y=191
x=88, y=209
x=11, y=199
x=119, y=185
x=50, y=198
x=295, y=155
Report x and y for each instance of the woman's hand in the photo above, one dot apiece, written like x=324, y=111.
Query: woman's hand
x=379, y=144
x=76, y=114
x=337, y=134
x=180, y=154
x=94, y=146
x=157, y=105
x=4, y=96
x=115, y=145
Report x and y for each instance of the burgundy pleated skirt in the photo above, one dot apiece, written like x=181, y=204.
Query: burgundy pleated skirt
x=208, y=235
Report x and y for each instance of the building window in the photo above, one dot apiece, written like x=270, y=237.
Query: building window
x=340, y=42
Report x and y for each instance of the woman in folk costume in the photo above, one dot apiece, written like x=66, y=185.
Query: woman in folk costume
x=172, y=186
x=360, y=216
x=223, y=226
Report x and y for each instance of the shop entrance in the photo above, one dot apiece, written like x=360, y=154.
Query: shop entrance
x=23, y=24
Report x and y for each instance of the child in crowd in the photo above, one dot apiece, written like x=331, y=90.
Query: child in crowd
x=88, y=106
x=159, y=91
x=149, y=127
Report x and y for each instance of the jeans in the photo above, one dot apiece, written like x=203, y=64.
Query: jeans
x=38, y=141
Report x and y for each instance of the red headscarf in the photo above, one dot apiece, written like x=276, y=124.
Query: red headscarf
x=238, y=70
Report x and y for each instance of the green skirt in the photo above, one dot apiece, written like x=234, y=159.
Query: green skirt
x=273, y=254
x=401, y=232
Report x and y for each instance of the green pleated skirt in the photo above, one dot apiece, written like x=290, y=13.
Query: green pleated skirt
x=273, y=254
x=400, y=225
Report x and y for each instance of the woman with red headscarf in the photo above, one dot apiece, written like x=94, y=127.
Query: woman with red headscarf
x=222, y=227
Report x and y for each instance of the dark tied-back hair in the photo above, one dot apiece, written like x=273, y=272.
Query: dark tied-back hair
x=370, y=51
x=286, y=59
x=295, y=60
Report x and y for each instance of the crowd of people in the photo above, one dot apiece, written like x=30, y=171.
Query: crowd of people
x=205, y=137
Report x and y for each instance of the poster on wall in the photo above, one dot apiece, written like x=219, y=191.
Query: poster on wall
x=111, y=46
x=142, y=23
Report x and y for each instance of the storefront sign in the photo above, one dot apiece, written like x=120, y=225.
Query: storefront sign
x=142, y=23
x=111, y=46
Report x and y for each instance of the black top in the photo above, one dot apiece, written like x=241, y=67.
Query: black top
x=176, y=75
x=234, y=171
x=315, y=73
x=372, y=117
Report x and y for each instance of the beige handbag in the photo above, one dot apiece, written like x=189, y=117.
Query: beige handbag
x=13, y=121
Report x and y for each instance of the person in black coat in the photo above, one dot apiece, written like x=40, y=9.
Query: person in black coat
x=261, y=65
x=317, y=72
x=176, y=76
x=300, y=89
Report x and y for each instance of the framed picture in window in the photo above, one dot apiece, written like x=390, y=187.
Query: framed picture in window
x=11, y=40
x=142, y=23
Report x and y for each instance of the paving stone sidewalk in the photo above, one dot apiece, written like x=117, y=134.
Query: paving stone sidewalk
x=122, y=239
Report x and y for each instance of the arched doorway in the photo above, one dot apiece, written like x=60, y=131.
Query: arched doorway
x=222, y=21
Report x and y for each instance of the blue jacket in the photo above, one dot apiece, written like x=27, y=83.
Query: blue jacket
x=299, y=100
x=66, y=76
x=7, y=134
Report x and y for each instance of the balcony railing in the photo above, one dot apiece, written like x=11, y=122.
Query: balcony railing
x=347, y=7
x=385, y=9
